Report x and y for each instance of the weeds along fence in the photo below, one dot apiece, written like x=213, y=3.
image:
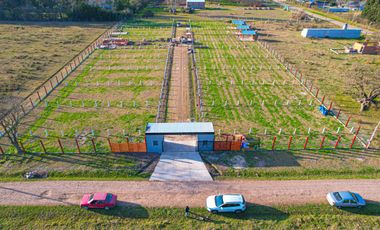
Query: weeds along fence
x=199, y=101
x=314, y=90
x=31, y=101
x=164, y=95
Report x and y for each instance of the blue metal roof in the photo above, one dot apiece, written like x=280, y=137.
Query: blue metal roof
x=248, y=32
x=243, y=27
x=238, y=22
x=180, y=128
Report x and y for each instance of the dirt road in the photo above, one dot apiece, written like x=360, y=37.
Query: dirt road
x=180, y=194
x=179, y=97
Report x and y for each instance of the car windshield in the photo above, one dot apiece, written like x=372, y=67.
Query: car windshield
x=354, y=196
x=337, y=196
x=218, y=200
x=109, y=197
x=91, y=197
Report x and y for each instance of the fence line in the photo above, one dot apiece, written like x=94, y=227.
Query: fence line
x=309, y=87
x=31, y=101
x=163, y=101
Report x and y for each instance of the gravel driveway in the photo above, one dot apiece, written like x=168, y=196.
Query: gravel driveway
x=180, y=194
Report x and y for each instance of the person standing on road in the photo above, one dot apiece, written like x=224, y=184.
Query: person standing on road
x=187, y=211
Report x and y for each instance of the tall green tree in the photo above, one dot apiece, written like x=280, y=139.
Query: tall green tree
x=372, y=11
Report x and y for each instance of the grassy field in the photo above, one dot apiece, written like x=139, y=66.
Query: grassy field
x=32, y=51
x=113, y=93
x=245, y=89
x=325, y=69
x=256, y=217
x=294, y=165
x=82, y=166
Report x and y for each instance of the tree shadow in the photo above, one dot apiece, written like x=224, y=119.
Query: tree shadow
x=125, y=210
x=371, y=209
x=258, y=212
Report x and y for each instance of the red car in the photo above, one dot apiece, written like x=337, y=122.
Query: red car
x=98, y=200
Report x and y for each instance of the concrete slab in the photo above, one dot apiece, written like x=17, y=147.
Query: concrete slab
x=180, y=166
x=180, y=143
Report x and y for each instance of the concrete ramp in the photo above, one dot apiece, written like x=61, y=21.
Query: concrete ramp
x=180, y=166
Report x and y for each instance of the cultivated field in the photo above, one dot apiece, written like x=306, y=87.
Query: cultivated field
x=245, y=89
x=31, y=52
x=114, y=93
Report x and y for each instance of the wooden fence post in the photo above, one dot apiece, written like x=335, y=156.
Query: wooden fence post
x=322, y=142
x=51, y=85
x=1, y=150
x=306, y=141
x=337, y=142
x=93, y=144
x=45, y=91
x=337, y=116
x=31, y=102
x=290, y=142
x=357, y=131
x=109, y=143
x=60, y=145
x=353, y=141
x=38, y=94
x=77, y=143
x=348, y=121
x=43, y=146
x=330, y=106
x=274, y=142
x=323, y=99
x=316, y=94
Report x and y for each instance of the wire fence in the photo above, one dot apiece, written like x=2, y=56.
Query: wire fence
x=314, y=90
x=164, y=95
x=38, y=95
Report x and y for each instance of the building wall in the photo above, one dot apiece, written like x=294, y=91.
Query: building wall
x=206, y=142
x=151, y=140
x=331, y=33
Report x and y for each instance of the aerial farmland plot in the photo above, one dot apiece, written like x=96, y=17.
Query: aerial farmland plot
x=245, y=90
x=32, y=51
x=113, y=94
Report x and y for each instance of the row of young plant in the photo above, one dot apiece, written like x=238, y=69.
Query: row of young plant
x=83, y=109
x=228, y=59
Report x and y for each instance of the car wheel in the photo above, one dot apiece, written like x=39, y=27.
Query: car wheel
x=214, y=212
x=107, y=208
x=238, y=211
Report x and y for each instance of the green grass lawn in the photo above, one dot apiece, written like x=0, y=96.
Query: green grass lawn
x=256, y=217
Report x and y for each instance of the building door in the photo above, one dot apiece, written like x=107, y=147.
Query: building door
x=180, y=143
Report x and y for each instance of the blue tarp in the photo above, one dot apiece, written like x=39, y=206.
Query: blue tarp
x=248, y=32
x=338, y=9
x=238, y=22
x=325, y=111
x=243, y=27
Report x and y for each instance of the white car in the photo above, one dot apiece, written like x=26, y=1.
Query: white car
x=345, y=199
x=226, y=203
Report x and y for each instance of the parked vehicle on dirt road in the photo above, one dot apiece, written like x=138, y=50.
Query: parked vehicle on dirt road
x=98, y=200
x=345, y=199
x=226, y=203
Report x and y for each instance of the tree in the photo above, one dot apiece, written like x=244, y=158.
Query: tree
x=372, y=10
x=10, y=122
x=364, y=87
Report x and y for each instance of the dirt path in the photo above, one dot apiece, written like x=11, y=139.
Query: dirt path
x=179, y=98
x=180, y=194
